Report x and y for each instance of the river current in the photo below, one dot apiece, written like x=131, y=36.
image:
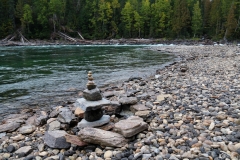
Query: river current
x=29, y=73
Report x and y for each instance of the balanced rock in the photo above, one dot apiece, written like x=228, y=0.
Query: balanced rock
x=131, y=126
x=183, y=67
x=56, y=139
x=91, y=105
x=101, y=137
x=103, y=120
x=92, y=95
x=93, y=115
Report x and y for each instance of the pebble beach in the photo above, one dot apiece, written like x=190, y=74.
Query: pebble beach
x=191, y=107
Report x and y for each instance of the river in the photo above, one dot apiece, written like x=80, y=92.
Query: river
x=27, y=74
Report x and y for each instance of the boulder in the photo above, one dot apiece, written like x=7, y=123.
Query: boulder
x=9, y=127
x=104, y=119
x=92, y=95
x=128, y=100
x=27, y=129
x=101, y=137
x=131, y=126
x=56, y=139
x=65, y=116
x=91, y=105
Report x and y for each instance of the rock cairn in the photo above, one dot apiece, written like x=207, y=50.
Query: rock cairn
x=91, y=104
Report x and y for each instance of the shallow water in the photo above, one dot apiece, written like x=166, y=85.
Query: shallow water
x=28, y=73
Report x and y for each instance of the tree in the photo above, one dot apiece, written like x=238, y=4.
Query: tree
x=206, y=18
x=127, y=17
x=181, y=17
x=215, y=18
x=161, y=18
x=196, y=19
x=27, y=16
x=145, y=14
x=137, y=23
x=231, y=23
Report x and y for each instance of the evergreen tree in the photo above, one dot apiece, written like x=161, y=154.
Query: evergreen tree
x=231, y=23
x=127, y=17
x=196, y=19
x=181, y=18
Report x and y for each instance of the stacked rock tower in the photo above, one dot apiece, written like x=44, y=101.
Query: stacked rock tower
x=92, y=103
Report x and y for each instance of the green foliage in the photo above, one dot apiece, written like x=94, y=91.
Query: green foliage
x=101, y=19
x=196, y=19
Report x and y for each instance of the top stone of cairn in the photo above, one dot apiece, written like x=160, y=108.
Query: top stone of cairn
x=90, y=85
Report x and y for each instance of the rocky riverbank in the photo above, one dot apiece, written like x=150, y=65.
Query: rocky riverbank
x=122, y=41
x=191, y=107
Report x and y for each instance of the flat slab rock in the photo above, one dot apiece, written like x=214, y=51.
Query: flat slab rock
x=91, y=105
x=131, y=126
x=101, y=137
x=9, y=127
x=105, y=119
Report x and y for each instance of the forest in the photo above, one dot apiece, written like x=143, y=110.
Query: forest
x=110, y=19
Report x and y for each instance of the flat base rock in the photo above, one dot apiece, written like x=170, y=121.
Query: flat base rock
x=131, y=126
x=105, y=119
x=56, y=139
x=91, y=105
x=92, y=95
x=101, y=137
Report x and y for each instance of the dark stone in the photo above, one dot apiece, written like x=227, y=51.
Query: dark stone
x=92, y=95
x=61, y=156
x=20, y=155
x=238, y=151
x=69, y=153
x=118, y=155
x=93, y=115
x=10, y=148
x=124, y=159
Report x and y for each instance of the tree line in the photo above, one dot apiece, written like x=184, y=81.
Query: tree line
x=107, y=19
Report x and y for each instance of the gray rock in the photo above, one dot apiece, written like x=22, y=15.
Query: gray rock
x=27, y=129
x=91, y=105
x=131, y=126
x=114, y=108
x=2, y=134
x=101, y=137
x=92, y=95
x=56, y=139
x=105, y=119
x=41, y=118
x=9, y=127
x=54, y=125
x=128, y=100
x=26, y=150
x=138, y=107
x=65, y=116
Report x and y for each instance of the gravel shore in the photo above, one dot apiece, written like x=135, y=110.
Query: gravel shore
x=193, y=110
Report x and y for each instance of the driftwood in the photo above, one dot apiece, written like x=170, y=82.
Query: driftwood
x=22, y=38
x=15, y=35
x=66, y=37
x=80, y=35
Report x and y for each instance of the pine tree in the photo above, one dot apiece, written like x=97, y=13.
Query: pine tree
x=127, y=17
x=181, y=17
x=231, y=23
x=196, y=19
